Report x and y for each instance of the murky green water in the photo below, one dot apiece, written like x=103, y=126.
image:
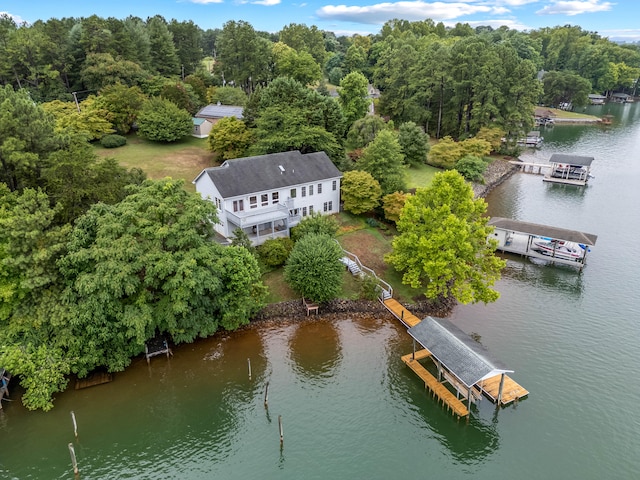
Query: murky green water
x=351, y=409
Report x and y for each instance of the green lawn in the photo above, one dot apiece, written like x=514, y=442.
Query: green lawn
x=566, y=114
x=420, y=176
x=183, y=159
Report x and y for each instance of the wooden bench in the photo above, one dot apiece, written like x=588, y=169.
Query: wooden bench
x=311, y=307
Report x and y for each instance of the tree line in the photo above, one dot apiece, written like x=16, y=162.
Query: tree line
x=96, y=259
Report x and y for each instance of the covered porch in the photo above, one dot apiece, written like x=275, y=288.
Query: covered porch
x=265, y=224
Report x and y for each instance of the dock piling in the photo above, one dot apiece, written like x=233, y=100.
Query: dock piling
x=266, y=395
x=74, y=462
x=75, y=424
x=249, y=363
x=281, y=430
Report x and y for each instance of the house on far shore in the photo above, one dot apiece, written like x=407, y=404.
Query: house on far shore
x=208, y=116
x=596, y=99
x=266, y=195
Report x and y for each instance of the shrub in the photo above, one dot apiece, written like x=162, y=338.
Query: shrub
x=275, y=251
x=372, y=222
x=368, y=287
x=472, y=168
x=315, y=224
x=113, y=141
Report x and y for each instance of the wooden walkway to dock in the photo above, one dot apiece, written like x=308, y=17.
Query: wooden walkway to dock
x=401, y=313
x=435, y=387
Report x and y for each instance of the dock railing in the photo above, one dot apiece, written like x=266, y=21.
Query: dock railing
x=386, y=290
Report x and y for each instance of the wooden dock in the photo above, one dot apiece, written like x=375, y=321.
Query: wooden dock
x=94, y=378
x=438, y=390
x=511, y=391
x=401, y=313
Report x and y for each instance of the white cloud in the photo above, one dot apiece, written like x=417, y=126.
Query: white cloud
x=408, y=10
x=517, y=3
x=621, y=35
x=16, y=18
x=575, y=7
x=266, y=3
x=205, y=2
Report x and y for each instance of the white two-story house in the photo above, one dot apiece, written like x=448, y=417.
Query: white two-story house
x=266, y=195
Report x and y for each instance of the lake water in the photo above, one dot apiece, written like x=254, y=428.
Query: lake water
x=349, y=406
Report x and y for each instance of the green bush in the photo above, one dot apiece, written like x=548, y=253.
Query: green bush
x=275, y=251
x=368, y=287
x=113, y=141
x=472, y=168
x=372, y=222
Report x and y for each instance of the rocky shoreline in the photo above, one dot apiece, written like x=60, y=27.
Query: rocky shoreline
x=497, y=172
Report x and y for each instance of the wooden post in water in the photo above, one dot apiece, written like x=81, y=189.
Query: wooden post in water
x=74, y=462
x=266, y=395
x=413, y=356
x=500, y=389
x=281, y=430
x=249, y=363
x=75, y=425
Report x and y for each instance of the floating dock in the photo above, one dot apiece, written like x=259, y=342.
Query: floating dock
x=514, y=236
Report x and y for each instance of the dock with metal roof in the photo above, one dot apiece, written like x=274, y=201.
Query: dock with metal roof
x=561, y=168
x=524, y=238
x=463, y=363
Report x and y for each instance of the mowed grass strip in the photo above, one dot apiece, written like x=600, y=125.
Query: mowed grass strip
x=183, y=159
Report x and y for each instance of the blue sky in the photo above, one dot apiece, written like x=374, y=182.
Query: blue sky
x=617, y=20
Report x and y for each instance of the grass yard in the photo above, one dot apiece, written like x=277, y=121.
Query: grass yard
x=567, y=114
x=279, y=290
x=184, y=159
x=421, y=176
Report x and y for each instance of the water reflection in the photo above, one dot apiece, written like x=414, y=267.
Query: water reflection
x=315, y=350
x=562, y=278
x=153, y=419
x=563, y=192
x=468, y=442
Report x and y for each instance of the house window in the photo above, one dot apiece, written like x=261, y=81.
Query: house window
x=218, y=203
x=326, y=206
x=275, y=196
x=334, y=185
x=304, y=211
x=253, y=202
x=304, y=191
x=238, y=205
x=310, y=190
x=310, y=209
x=293, y=192
x=331, y=206
x=319, y=188
x=264, y=199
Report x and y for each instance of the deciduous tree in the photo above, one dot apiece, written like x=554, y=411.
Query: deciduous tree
x=163, y=121
x=230, y=138
x=314, y=269
x=360, y=192
x=414, y=143
x=442, y=246
x=382, y=158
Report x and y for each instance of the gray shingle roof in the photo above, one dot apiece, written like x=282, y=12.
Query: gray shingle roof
x=457, y=351
x=543, y=230
x=571, y=159
x=220, y=111
x=242, y=176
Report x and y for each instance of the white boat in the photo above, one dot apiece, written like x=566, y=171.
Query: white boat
x=559, y=249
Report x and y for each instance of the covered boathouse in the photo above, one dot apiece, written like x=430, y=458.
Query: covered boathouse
x=569, y=169
x=552, y=244
x=462, y=363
